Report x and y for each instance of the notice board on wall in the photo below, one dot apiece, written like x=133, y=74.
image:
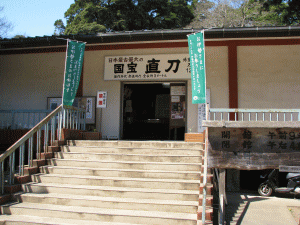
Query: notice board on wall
x=87, y=103
x=253, y=148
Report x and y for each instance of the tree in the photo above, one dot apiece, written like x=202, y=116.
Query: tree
x=5, y=26
x=19, y=36
x=59, y=27
x=235, y=13
x=92, y=16
x=288, y=9
x=202, y=14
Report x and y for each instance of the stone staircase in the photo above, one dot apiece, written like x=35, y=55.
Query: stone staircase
x=115, y=183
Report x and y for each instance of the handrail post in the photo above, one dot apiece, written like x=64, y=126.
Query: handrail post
x=46, y=134
x=11, y=168
x=205, y=169
x=60, y=124
x=38, y=141
x=13, y=120
x=77, y=119
x=53, y=129
x=2, y=177
x=84, y=120
x=222, y=196
x=30, y=151
x=21, y=160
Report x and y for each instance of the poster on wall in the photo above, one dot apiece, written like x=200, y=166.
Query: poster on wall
x=87, y=103
x=177, y=111
x=178, y=90
x=89, y=108
x=175, y=98
x=101, y=99
x=53, y=103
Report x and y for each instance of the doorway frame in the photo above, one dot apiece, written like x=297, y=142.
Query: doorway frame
x=185, y=82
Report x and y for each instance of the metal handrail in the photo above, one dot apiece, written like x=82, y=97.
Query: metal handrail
x=13, y=119
x=241, y=114
x=61, y=117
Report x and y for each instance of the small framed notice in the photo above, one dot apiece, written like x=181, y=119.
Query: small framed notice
x=101, y=99
x=87, y=102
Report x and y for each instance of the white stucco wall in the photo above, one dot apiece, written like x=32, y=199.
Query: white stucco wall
x=27, y=80
x=269, y=76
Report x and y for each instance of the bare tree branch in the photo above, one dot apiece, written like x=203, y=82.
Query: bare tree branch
x=5, y=26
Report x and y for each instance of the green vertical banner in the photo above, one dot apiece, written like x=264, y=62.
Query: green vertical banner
x=197, y=63
x=74, y=60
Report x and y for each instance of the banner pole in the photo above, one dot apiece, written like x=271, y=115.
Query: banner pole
x=62, y=97
x=70, y=40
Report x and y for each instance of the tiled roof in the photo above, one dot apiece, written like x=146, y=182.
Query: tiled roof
x=149, y=35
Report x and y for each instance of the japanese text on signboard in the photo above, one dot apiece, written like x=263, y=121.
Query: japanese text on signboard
x=256, y=148
x=147, y=67
x=73, y=69
x=197, y=60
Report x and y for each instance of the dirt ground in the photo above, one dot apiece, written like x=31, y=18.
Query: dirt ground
x=295, y=212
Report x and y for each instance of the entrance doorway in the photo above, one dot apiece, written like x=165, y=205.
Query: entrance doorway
x=151, y=112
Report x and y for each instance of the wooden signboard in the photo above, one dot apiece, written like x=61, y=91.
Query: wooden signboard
x=253, y=148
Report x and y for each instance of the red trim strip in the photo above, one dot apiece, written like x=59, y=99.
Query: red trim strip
x=233, y=76
x=182, y=44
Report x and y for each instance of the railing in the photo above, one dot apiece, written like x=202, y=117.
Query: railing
x=36, y=141
x=245, y=118
x=254, y=114
x=21, y=119
x=205, y=158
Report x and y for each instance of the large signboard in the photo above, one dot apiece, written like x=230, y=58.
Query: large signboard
x=253, y=148
x=147, y=67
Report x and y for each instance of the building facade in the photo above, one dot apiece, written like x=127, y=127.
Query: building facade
x=147, y=79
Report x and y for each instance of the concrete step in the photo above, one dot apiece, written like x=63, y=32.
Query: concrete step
x=109, y=202
x=129, y=157
x=139, y=144
x=101, y=214
x=38, y=220
x=107, y=191
x=105, y=172
x=117, y=181
x=139, y=165
x=127, y=150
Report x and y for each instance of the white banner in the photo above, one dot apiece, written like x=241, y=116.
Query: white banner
x=147, y=67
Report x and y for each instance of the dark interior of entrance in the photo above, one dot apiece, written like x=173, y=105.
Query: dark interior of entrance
x=147, y=113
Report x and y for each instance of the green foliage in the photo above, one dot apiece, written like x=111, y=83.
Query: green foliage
x=19, y=36
x=237, y=13
x=59, y=27
x=92, y=16
x=289, y=10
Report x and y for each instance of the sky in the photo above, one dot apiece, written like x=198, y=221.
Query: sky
x=33, y=18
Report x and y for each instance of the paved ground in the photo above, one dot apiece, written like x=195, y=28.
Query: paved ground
x=252, y=209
